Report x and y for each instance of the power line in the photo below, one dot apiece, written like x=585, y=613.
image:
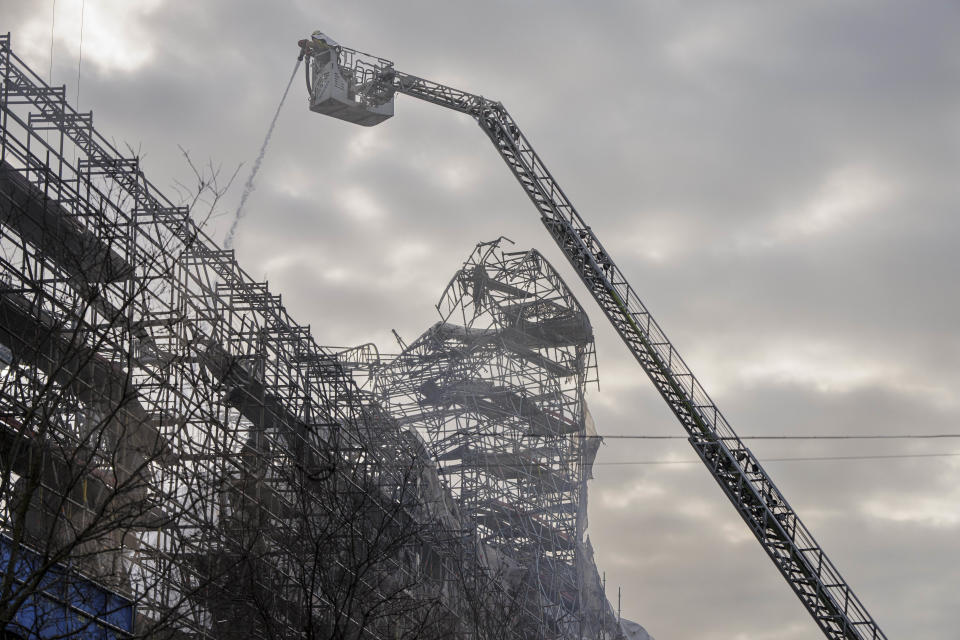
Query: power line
x=954, y=454
x=795, y=459
x=899, y=436
x=847, y=436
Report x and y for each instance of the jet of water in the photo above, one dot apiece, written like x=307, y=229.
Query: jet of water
x=249, y=186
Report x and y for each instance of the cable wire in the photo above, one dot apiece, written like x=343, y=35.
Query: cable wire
x=899, y=436
x=892, y=456
x=83, y=7
x=842, y=436
x=53, y=21
x=795, y=459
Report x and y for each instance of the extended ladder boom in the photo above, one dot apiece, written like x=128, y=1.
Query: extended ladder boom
x=788, y=542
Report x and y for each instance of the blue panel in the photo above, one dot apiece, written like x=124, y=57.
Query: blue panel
x=66, y=604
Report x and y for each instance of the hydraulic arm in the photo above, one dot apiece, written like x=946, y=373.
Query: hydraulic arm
x=368, y=87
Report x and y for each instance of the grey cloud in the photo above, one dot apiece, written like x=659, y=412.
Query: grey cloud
x=682, y=129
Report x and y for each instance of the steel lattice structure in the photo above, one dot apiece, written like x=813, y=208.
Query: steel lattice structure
x=169, y=432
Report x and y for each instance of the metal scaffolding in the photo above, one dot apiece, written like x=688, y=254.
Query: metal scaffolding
x=497, y=386
x=168, y=430
x=169, y=435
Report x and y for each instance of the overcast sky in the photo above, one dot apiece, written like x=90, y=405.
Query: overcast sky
x=778, y=180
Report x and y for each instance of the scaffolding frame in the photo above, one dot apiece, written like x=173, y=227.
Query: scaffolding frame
x=172, y=378
x=172, y=435
x=497, y=388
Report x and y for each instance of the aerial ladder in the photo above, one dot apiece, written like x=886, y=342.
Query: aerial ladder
x=360, y=88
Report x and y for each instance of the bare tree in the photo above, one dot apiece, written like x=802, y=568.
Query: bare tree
x=81, y=448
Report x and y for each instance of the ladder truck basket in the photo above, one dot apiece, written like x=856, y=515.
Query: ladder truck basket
x=347, y=84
